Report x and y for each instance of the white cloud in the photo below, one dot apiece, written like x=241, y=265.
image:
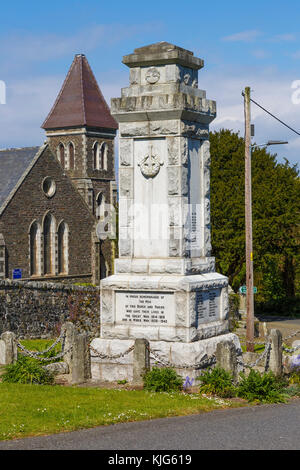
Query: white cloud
x=283, y=38
x=260, y=53
x=295, y=55
x=22, y=47
x=244, y=36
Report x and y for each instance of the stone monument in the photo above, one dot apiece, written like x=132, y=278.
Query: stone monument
x=165, y=288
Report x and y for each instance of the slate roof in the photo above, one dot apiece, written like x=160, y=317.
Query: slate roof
x=14, y=164
x=80, y=101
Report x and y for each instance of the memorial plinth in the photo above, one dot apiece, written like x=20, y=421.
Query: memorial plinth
x=165, y=288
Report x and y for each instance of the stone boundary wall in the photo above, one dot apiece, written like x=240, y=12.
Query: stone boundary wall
x=38, y=309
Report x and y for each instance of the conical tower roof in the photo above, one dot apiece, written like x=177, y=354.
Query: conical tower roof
x=80, y=101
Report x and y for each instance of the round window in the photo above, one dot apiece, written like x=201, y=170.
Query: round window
x=49, y=186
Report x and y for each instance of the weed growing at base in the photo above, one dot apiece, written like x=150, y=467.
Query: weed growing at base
x=217, y=382
x=162, y=379
x=27, y=371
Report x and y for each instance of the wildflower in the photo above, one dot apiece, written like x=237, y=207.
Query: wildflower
x=188, y=383
x=296, y=361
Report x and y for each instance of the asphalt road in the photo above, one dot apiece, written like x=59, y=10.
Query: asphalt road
x=263, y=427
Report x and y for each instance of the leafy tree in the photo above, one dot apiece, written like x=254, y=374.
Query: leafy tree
x=276, y=210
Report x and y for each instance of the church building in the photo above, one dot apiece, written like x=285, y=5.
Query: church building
x=51, y=197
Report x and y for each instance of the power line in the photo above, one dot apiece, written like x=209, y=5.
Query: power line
x=264, y=109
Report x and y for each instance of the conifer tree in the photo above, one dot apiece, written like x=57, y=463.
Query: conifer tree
x=276, y=217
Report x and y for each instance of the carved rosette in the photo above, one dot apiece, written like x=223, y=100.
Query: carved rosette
x=152, y=75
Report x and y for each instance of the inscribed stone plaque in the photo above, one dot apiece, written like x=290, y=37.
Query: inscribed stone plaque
x=208, y=305
x=145, y=308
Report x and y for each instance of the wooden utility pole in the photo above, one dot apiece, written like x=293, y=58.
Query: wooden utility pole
x=248, y=226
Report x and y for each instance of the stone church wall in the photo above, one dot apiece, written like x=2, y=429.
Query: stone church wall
x=37, y=309
x=30, y=203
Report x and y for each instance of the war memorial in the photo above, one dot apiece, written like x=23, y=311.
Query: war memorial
x=164, y=288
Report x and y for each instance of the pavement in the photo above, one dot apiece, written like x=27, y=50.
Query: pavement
x=261, y=427
x=287, y=326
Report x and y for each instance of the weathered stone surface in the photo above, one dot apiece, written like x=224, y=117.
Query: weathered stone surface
x=132, y=129
x=141, y=360
x=179, y=104
x=184, y=181
x=139, y=266
x=80, y=370
x=194, y=328
x=8, y=348
x=226, y=356
x=174, y=174
x=106, y=306
x=162, y=53
x=181, y=302
x=112, y=348
x=126, y=182
x=126, y=152
x=126, y=212
x=173, y=144
x=57, y=368
x=37, y=309
x=70, y=333
x=163, y=127
x=275, y=359
x=177, y=353
x=125, y=241
x=2, y=352
x=175, y=211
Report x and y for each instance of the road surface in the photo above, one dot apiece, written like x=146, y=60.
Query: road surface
x=265, y=427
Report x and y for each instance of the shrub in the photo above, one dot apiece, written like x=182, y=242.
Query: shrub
x=162, y=379
x=27, y=371
x=293, y=390
x=261, y=387
x=217, y=381
x=294, y=378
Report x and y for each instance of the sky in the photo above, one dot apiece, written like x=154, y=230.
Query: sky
x=254, y=44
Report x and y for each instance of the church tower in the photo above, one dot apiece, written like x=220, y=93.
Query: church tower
x=81, y=132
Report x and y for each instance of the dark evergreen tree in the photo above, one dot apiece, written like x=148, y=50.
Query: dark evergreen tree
x=276, y=217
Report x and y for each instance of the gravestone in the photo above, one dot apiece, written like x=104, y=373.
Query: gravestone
x=165, y=288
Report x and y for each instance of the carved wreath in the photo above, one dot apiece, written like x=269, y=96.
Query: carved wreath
x=150, y=165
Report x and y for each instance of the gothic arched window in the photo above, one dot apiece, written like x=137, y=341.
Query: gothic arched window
x=100, y=156
x=100, y=205
x=62, y=245
x=103, y=157
x=96, y=156
x=35, y=247
x=61, y=154
x=49, y=244
x=71, y=156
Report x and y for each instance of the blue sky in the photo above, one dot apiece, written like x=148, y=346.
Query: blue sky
x=253, y=44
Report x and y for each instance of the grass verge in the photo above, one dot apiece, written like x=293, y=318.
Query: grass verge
x=32, y=410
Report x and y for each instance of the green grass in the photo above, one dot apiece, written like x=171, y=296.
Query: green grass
x=258, y=348
x=40, y=344
x=31, y=410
